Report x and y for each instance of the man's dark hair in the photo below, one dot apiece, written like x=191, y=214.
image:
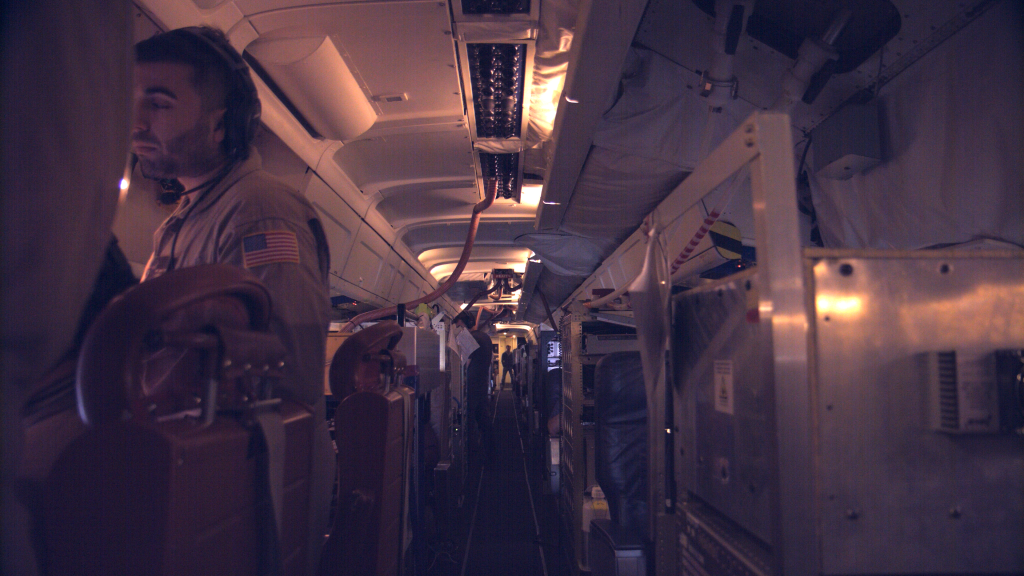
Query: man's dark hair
x=466, y=319
x=219, y=74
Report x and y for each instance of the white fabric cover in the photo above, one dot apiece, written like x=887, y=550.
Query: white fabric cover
x=953, y=148
x=564, y=254
x=550, y=62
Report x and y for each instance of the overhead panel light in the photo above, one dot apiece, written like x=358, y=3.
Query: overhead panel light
x=495, y=6
x=504, y=168
x=496, y=74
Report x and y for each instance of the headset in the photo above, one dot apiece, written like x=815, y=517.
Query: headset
x=242, y=103
x=242, y=118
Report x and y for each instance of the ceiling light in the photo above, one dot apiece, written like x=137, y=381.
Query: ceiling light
x=463, y=306
x=552, y=203
x=530, y=195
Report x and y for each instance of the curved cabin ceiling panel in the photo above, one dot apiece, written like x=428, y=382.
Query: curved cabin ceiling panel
x=383, y=162
x=441, y=261
x=426, y=237
x=401, y=53
x=414, y=207
x=446, y=213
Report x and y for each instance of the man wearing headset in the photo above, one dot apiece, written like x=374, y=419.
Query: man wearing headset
x=195, y=114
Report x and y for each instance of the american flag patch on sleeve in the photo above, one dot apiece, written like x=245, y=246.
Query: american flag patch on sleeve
x=271, y=247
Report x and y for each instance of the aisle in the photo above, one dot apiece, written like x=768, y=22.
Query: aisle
x=508, y=529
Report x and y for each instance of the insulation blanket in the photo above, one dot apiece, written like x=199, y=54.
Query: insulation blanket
x=620, y=407
x=952, y=149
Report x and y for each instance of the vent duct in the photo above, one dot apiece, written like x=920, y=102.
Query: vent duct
x=505, y=169
x=496, y=6
x=496, y=74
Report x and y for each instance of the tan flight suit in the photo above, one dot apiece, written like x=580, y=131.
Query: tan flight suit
x=252, y=220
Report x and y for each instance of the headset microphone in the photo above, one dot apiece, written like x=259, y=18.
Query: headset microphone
x=172, y=191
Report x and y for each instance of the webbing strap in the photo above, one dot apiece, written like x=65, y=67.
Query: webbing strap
x=271, y=427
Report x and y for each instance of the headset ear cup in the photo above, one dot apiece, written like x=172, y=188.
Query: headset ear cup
x=242, y=118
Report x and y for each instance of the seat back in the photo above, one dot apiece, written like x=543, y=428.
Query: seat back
x=173, y=476
x=372, y=430
x=620, y=406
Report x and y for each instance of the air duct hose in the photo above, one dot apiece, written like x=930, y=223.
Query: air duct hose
x=474, y=223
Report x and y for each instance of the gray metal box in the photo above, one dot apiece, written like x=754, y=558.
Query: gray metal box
x=886, y=492
x=848, y=142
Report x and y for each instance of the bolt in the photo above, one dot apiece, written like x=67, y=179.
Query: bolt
x=955, y=512
x=852, y=514
x=227, y=362
x=247, y=367
x=749, y=142
x=749, y=129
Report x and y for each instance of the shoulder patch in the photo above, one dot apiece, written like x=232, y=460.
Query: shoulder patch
x=273, y=247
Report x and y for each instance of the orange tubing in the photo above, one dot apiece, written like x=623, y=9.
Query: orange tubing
x=492, y=190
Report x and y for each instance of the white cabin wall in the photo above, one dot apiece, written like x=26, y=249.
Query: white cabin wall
x=952, y=146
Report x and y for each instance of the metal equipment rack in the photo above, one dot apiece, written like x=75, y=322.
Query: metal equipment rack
x=800, y=393
x=578, y=433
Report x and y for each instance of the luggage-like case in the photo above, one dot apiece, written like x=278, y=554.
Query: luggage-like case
x=188, y=465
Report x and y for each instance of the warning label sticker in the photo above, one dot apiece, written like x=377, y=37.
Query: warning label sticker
x=723, y=386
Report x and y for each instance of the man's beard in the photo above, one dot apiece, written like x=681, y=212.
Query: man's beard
x=189, y=155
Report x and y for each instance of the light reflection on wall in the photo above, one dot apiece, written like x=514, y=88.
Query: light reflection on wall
x=839, y=305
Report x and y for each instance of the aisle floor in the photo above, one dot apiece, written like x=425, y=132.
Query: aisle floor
x=507, y=524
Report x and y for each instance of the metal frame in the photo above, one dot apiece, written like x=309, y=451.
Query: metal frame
x=764, y=144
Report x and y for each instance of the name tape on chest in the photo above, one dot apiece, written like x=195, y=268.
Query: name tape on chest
x=272, y=247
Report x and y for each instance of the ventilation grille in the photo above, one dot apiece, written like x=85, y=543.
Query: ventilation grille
x=504, y=168
x=949, y=406
x=495, y=6
x=496, y=73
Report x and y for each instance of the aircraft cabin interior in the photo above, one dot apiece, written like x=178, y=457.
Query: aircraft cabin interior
x=751, y=272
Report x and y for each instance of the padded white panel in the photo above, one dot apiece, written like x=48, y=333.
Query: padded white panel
x=339, y=221
x=366, y=260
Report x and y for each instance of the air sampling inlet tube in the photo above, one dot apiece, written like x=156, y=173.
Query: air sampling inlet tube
x=474, y=223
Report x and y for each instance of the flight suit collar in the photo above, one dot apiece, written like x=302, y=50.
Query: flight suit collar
x=240, y=170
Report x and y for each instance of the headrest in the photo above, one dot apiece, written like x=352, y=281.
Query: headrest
x=187, y=310
x=361, y=359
